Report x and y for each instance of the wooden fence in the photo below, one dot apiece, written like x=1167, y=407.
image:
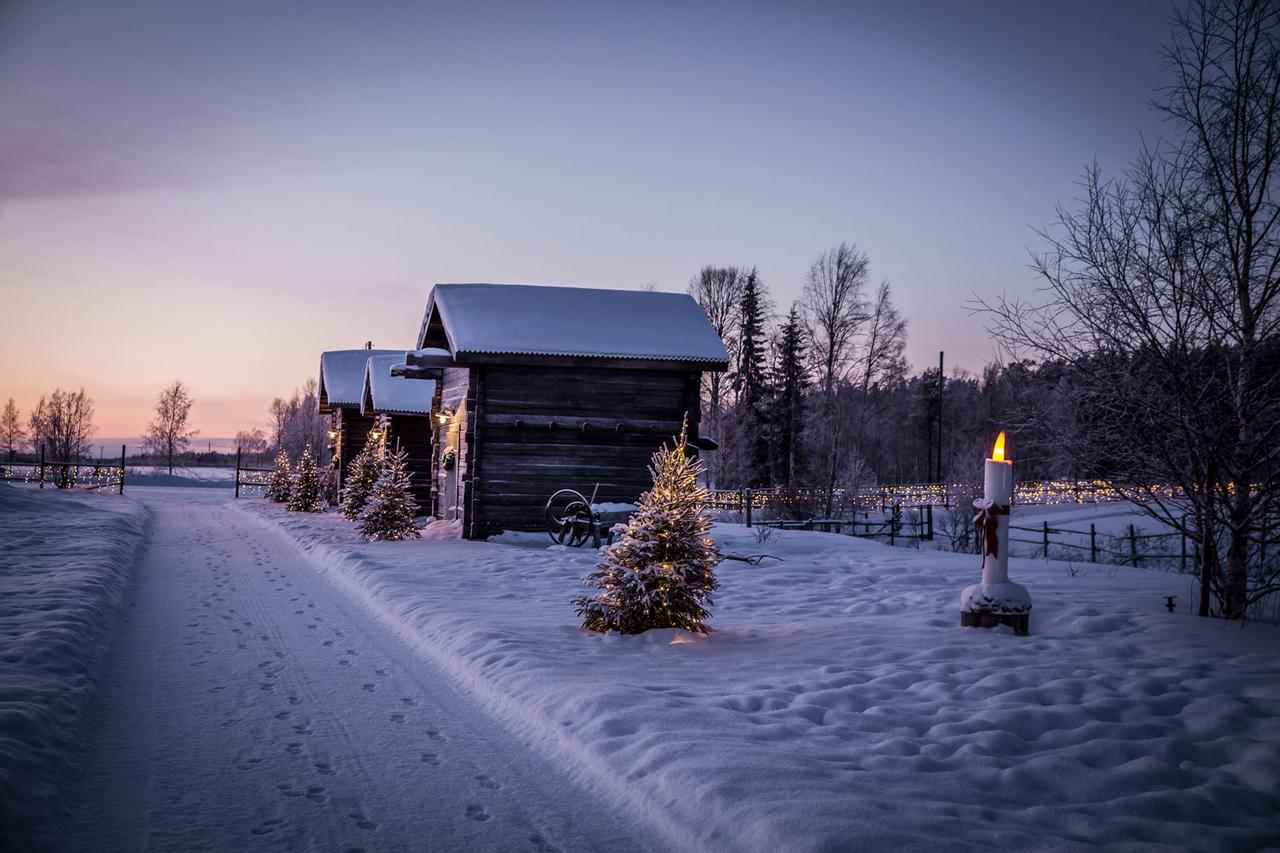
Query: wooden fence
x=250, y=478
x=68, y=474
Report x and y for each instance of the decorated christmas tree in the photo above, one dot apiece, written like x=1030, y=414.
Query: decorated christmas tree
x=660, y=573
x=306, y=485
x=361, y=477
x=280, y=486
x=390, y=511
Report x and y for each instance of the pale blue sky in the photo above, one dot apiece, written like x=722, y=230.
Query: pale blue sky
x=218, y=191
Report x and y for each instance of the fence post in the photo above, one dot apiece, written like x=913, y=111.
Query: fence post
x=122, y=469
x=237, y=472
x=747, y=495
x=42, y=465
x=1093, y=543
x=1133, y=546
x=930, y=522
x=893, y=523
x=1046, y=540
x=1182, y=567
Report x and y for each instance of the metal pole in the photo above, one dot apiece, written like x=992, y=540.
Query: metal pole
x=747, y=494
x=1046, y=540
x=1093, y=543
x=1133, y=545
x=237, y=472
x=938, y=467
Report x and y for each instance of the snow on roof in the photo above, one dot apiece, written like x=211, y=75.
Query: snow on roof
x=543, y=320
x=342, y=374
x=394, y=394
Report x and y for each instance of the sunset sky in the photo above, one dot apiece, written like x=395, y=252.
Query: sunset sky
x=217, y=192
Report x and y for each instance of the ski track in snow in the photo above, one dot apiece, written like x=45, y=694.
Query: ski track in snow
x=248, y=705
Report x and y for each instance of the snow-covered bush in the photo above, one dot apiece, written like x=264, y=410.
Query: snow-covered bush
x=306, y=485
x=660, y=572
x=391, y=510
x=280, y=486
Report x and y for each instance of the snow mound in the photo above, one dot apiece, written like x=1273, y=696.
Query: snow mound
x=837, y=704
x=65, y=561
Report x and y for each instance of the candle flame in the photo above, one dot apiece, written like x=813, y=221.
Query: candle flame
x=997, y=452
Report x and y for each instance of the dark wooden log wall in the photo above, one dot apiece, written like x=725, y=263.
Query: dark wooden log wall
x=413, y=434
x=354, y=429
x=540, y=429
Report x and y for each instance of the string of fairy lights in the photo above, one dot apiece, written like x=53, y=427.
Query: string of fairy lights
x=71, y=474
x=1030, y=492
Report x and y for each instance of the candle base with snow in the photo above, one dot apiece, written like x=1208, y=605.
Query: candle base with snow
x=997, y=600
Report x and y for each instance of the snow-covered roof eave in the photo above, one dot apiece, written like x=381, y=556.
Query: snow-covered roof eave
x=342, y=373
x=384, y=392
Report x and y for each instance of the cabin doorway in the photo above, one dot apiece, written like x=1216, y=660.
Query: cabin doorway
x=451, y=462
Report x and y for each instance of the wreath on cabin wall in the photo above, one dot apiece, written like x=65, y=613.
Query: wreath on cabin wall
x=450, y=459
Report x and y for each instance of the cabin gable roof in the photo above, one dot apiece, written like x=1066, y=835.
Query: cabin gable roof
x=342, y=375
x=393, y=395
x=513, y=323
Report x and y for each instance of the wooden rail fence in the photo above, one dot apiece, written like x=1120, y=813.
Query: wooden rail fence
x=68, y=474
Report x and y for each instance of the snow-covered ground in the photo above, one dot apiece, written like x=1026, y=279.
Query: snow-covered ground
x=65, y=562
x=439, y=694
x=838, y=705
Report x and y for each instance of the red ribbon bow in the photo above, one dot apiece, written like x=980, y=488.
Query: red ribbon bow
x=987, y=521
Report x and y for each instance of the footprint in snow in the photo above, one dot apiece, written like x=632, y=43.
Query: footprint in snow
x=476, y=812
x=487, y=782
x=431, y=758
x=316, y=794
x=362, y=821
x=397, y=718
x=267, y=826
x=370, y=687
x=325, y=769
x=433, y=734
x=542, y=845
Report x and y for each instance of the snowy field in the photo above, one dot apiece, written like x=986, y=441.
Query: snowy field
x=838, y=705
x=65, y=560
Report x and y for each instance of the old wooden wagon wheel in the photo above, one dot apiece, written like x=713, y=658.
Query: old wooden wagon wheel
x=569, y=518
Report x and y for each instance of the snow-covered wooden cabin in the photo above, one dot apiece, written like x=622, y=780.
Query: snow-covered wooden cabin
x=407, y=405
x=544, y=388
x=341, y=383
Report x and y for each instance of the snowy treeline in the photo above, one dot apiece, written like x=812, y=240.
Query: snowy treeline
x=297, y=423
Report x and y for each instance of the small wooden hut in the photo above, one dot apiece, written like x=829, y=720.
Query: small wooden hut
x=407, y=405
x=341, y=383
x=542, y=388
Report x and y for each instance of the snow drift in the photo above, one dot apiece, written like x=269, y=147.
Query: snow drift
x=65, y=561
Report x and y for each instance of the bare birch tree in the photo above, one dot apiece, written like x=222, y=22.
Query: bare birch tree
x=169, y=432
x=1162, y=294
x=718, y=291
x=12, y=434
x=835, y=312
x=66, y=424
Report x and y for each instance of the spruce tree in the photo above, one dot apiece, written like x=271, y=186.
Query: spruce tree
x=361, y=477
x=306, y=485
x=791, y=379
x=280, y=486
x=391, y=510
x=750, y=383
x=660, y=573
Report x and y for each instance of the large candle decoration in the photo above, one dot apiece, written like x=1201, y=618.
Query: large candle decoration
x=997, y=600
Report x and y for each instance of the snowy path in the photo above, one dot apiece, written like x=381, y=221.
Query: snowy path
x=250, y=706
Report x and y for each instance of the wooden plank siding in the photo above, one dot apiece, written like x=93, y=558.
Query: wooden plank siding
x=354, y=433
x=535, y=429
x=413, y=435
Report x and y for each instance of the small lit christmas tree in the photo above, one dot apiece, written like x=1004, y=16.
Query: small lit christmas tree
x=391, y=509
x=660, y=573
x=280, y=486
x=306, y=485
x=361, y=477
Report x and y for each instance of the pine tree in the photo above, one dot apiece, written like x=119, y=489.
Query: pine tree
x=361, y=477
x=791, y=379
x=391, y=509
x=306, y=485
x=660, y=573
x=280, y=486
